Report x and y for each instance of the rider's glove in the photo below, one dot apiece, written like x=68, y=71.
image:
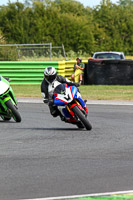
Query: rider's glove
x=51, y=102
x=77, y=84
x=45, y=101
x=7, y=78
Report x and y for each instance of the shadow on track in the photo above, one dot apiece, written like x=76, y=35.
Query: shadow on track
x=52, y=129
x=7, y=122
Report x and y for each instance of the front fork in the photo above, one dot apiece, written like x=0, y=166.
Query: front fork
x=70, y=106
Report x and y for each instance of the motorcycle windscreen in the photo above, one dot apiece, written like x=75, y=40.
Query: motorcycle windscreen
x=62, y=95
x=3, y=87
x=60, y=89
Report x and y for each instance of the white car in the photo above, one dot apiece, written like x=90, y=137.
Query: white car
x=108, y=55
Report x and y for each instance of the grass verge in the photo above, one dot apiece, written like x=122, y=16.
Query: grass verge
x=94, y=92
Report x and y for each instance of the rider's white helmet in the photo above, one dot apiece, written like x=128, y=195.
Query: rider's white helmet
x=50, y=74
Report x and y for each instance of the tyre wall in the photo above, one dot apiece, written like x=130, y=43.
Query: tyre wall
x=109, y=72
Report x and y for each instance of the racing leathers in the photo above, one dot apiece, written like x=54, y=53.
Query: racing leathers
x=48, y=88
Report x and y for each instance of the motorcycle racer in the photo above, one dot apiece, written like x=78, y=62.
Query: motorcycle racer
x=50, y=81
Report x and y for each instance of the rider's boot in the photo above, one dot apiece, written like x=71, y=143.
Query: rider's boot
x=62, y=117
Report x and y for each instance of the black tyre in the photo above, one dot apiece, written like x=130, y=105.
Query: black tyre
x=13, y=110
x=82, y=117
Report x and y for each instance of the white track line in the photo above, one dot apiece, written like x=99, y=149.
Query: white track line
x=96, y=102
x=84, y=195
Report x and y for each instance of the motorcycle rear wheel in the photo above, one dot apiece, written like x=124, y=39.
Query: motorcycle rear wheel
x=14, y=112
x=82, y=117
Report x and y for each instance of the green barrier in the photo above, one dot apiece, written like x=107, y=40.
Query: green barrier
x=31, y=72
x=25, y=72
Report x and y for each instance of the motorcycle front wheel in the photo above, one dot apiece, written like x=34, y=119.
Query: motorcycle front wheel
x=13, y=110
x=82, y=117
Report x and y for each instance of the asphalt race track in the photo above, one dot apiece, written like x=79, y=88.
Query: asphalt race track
x=44, y=157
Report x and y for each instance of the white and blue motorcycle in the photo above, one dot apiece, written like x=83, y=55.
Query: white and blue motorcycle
x=74, y=108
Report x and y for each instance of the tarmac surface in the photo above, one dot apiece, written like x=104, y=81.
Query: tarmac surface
x=43, y=157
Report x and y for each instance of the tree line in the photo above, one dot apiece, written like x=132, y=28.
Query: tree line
x=107, y=26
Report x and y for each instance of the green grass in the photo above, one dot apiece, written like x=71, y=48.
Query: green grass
x=27, y=90
x=112, y=197
x=94, y=92
x=107, y=92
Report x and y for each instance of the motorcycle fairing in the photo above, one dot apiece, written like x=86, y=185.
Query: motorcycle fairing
x=66, y=113
x=65, y=97
x=6, y=93
x=3, y=87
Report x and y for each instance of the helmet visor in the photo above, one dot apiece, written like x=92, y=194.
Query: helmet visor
x=50, y=78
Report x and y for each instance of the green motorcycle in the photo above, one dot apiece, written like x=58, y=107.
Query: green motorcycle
x=8, y=102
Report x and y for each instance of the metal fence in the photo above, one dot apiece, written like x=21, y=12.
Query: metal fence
x=21, y=52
